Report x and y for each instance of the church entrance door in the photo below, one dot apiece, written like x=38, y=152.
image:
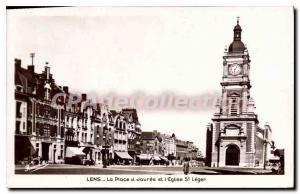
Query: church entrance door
x=232, y=155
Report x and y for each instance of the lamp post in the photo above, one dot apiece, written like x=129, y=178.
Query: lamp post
x=106, y=146
x=104, y=157
x=105, y=154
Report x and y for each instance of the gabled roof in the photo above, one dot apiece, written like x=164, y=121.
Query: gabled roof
x=113, y=112
x=130, y=112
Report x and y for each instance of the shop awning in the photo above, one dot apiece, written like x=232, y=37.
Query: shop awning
x=74, y=151
x=275, y=158
x=163, y=158
x=156, y=157
x=124, y=155
x=144, y=157
x=86, y=149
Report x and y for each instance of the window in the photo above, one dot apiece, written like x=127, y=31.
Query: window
x=234, y=107
x=62, y=131
x=18, y=113
x=46, y=130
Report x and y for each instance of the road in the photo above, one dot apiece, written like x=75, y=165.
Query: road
x=134, y=170
x=78, y=169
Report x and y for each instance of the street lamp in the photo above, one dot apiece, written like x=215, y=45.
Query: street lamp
x=106, y=146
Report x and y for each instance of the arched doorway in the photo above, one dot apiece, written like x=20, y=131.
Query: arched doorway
x=232, y=155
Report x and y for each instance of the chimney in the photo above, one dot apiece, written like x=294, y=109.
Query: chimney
x=66, y=89
x=47, y=70
x=17, y=63
x=83, y=97
x=30, y=68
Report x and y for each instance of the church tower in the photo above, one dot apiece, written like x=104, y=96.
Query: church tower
x=234, y=123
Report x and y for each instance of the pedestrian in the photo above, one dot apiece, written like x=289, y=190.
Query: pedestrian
x=186, y=166
x=39, y=160
x=27, y=166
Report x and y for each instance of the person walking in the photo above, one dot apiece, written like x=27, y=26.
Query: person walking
x=186, y=166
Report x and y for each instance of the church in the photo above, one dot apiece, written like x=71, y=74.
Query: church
x=234, y=137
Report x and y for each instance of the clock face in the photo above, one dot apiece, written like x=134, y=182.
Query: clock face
x=235, y=69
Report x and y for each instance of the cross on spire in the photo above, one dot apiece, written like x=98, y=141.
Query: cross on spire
x=237, y=19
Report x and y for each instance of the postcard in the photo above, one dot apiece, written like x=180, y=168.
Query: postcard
x=150, y=97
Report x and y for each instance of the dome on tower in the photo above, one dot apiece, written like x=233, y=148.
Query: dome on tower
x=237, y=45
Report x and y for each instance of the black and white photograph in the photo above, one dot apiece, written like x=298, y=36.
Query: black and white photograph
x=150, y=97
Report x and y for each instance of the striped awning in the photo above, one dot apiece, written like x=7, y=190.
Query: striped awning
x=163, y=158
x=74, y=151
x=144, y=157
x=124, y=155
x=156, y=157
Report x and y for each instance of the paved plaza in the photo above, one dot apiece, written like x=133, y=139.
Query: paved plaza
x=131, y=170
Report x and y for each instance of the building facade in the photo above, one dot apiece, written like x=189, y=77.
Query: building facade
x=56, y=132
x=151, y=142
x=134, y=132
x=54, y=125
x=169, y=145
x=39, y=124
x=181, y=150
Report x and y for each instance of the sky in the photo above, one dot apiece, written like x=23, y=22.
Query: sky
x=155, y=49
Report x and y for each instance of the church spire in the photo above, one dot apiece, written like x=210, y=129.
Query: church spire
x=237, y=30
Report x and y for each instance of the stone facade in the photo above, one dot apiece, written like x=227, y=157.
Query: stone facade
x=233, y=137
